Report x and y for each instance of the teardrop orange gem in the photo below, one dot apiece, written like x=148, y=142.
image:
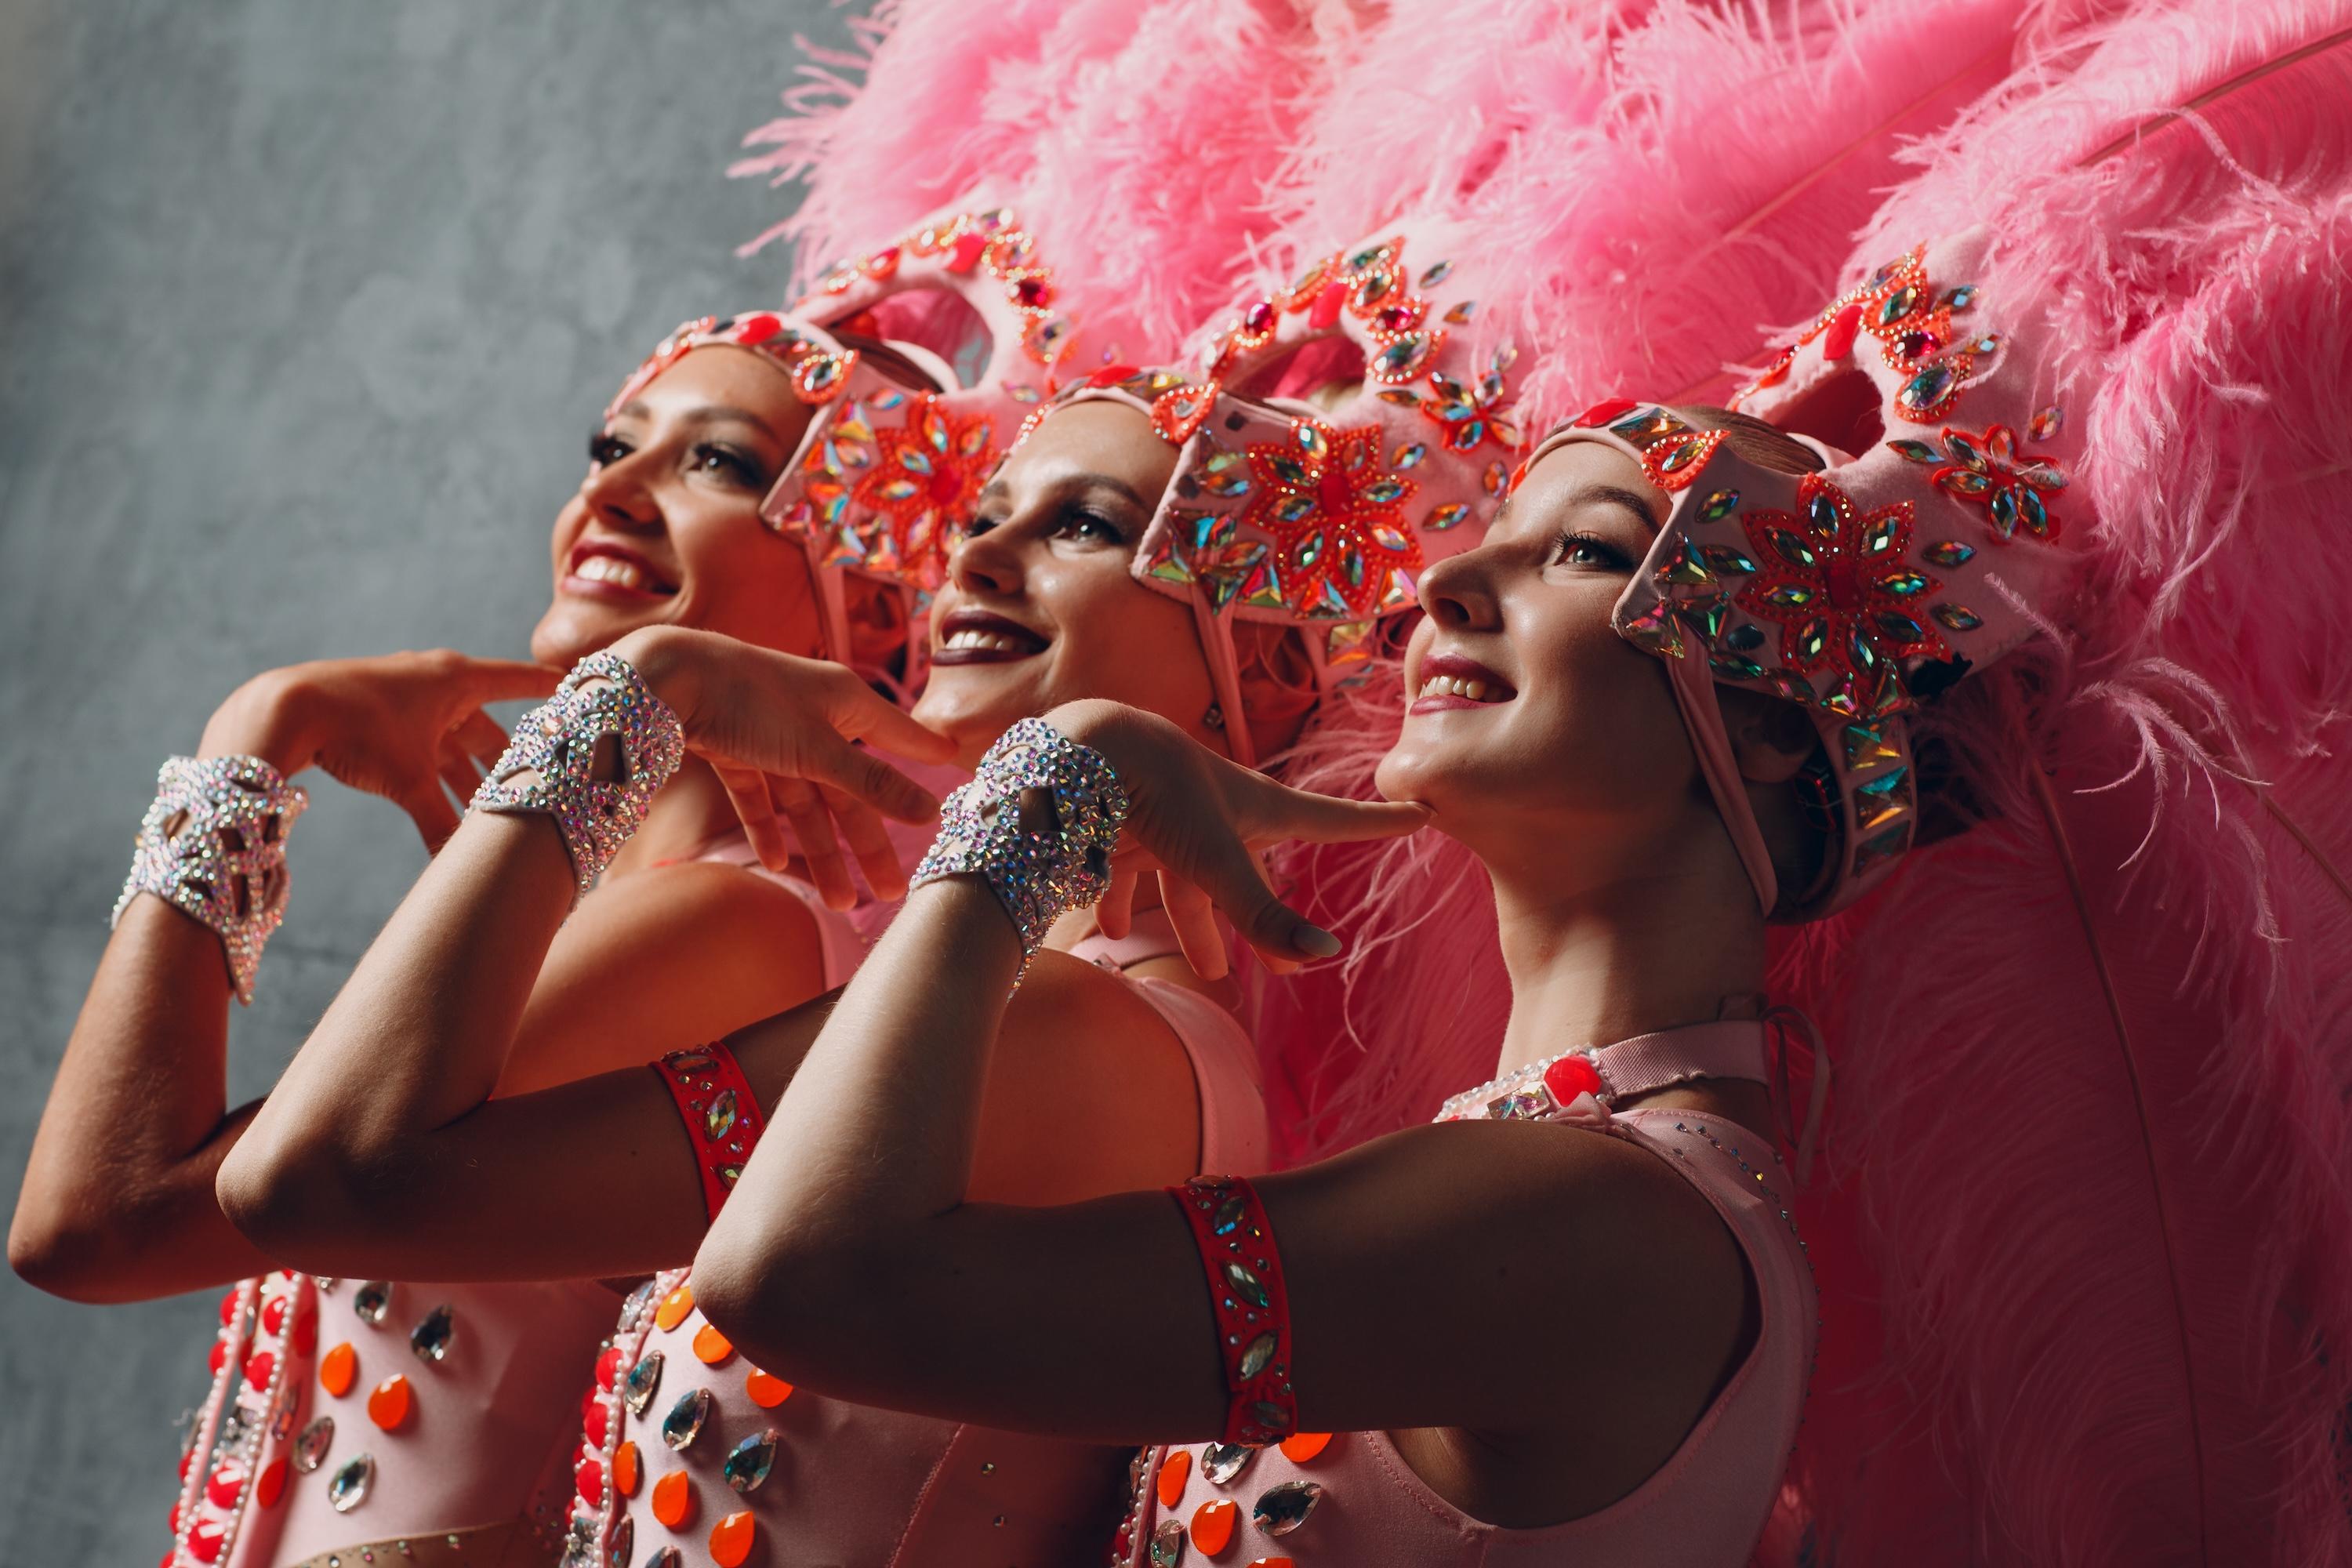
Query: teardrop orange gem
x=1212, y=1525
x=272, y=1484
x=1301, y=1446
x=336, y=1368
x=1173, y=1472
x=767, y=1391
x=674, y=1500
x=732, y=1538
x=710, y=1346
x=674, y=1308
x=388, y=1405
x=625, y=1470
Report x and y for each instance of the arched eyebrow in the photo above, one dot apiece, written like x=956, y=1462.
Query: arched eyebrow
x=997, y=489
x=712, y=414
x=1616, y=495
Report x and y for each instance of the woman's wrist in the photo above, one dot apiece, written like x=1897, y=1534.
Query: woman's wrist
x=668, y=660
x=264, y=718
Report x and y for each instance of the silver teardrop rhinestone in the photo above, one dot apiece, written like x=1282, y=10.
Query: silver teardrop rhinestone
x=1167, y=1543
x=1254, y=1359
x=1282, y=1509
x=1221, y=1462
x=644, y=1379
x=634, y=1308
x=348, y=1488
x=623, y=1542
x=749, y=1465
x=311, y=1447
x=666, y=1557
x=684, y=1423
x=430, y=1339
x=374, y=1301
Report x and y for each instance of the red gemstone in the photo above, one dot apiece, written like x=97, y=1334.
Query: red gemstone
x=758, y=328
x=968, y=247
x=1844, y=582
x=1326, y=312
x=594, y=1423
x=206, y=1540
x=273, y=1313
x=185, y=1460
x=227, y=1482
x=946, y=485
x=219, y=1355
x=1334, y=493
x=1112, y=374
x=1032, y=294
x=608, y=1366
x=1607, y=409
x=272, y=1484
x=1572, y=1076
x=306, y=1333
x=1838, y=341
x=258, y=1368
x=590, y=1477
x=1258, y=320
x=175, y=1517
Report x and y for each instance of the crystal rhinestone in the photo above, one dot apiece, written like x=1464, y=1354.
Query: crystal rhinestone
x=644, y=1378
x=1438, y=273
x=1167, y=1544
x=430, y=1339
x=311, y=1447
x=1443, y=518
x=374, y=1301
x=684, y=1423
x=624, y=1542
x=1925, y=390
x=348, y=1488
x=1246, y=1285
x=720, y=1120
x=666, y=1557
x=1228, y=1215
x=1957, y=617
x=1261, y=1351
x=1282, y=1509
x=2046, y=422
x=1948, y=552
x=1221, y=1462
x=1915, y=451
x=1719, y=505
x=1746, y=637
x=748, y=1465
x=634, y=1307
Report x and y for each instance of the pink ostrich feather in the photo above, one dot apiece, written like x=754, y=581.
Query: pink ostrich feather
x=1139, y=142
x=2086, y=1252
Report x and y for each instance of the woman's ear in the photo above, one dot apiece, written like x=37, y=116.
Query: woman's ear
x=1771, y=739
x=1278, y=682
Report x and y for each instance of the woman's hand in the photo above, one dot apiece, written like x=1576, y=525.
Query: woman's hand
x=1196, y=818
x=404, y=725
x=778, y=730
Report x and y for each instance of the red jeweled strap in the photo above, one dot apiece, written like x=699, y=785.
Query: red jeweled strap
x=720, y=1112
x=1252, y=1302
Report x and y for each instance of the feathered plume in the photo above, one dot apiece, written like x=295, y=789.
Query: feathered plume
x=1137, y=142
x=2087, y=1258
x=1653, y=185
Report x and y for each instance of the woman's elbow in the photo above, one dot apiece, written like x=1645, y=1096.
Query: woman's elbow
x=288, y=1199
x=788, y=1304
x=53, y=1251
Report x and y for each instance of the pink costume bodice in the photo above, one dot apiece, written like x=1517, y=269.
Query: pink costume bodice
x=790, y=1477
x=477, y=1469
x=1350, y=1499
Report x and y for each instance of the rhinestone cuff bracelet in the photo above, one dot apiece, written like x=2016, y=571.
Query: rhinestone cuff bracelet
x=214, y=846
x=1037, y=873
x=558, y=742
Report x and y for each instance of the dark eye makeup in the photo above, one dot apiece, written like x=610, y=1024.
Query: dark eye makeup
x=1587, y=550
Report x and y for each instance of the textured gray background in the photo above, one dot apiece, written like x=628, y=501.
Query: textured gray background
x=305, y=311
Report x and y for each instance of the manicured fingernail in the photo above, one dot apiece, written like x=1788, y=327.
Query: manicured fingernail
x=1316, y=940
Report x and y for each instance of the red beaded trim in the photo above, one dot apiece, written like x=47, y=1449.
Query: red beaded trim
x=1251, y=1302
x=720, y=1112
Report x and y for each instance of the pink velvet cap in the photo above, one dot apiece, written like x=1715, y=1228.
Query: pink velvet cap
x=1863, y=590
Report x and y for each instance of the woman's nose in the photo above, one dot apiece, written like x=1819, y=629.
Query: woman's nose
x=618, y=497
x=1455, y=592
x=988, y=562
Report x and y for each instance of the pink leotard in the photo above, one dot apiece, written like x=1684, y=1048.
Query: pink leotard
x=1353, y=1500
x=477, y=1471
x=848, y=1484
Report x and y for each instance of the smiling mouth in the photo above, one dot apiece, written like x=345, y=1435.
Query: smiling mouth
x=1449, y=683
x=605, y=574
x=969, y=638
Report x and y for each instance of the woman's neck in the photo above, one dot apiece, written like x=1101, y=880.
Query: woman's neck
x=690, y=812
x=1621, y=957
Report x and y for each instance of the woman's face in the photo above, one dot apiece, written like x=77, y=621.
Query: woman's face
x=1039, y=607
x=1525, y=712
x=666, y=529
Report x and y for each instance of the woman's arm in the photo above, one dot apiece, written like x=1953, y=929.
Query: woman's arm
x=117, y=1202
x=1481, y=1276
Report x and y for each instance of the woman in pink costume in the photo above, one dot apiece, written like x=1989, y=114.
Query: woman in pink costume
x=1060, y=590
x=323, y=1431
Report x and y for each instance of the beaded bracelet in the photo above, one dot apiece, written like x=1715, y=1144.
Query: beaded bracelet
x=557, y=740
x=213, y=845
x=722, y=1116
x=1251, y=1300
x=1037, y=873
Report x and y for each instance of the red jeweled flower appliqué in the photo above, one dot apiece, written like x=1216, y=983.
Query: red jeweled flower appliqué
x=1987, y=470
x=926, y=478
x=1336, y=513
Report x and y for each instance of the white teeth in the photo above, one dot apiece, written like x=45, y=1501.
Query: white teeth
x=1455, y=686
x=981, y=641
x=610, y=569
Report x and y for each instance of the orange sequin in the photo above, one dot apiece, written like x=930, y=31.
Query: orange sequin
x=625, y=1470
x=1212, y=1525
x=388, y=1405
x=674, y=1500
x=731, y=1539
x=1173, y=1470
x=767, y=1391
x=336, y=1368
x=1301, y=1446
x=710, y=1346
x=674, y=1308
x=272, y=1484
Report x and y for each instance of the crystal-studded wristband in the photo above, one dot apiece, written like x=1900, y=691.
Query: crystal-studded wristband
x=721, y=1114
x=558, y=742
x=213, y=845
x=1037, y=873
x=1251, y=1302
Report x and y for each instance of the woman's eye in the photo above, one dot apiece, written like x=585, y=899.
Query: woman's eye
x=980, y=525
x=1076, y=524
x=603, y=449
x=712, y=458
x=1584, y=550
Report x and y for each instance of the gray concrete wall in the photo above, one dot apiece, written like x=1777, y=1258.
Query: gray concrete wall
x=305, y=312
